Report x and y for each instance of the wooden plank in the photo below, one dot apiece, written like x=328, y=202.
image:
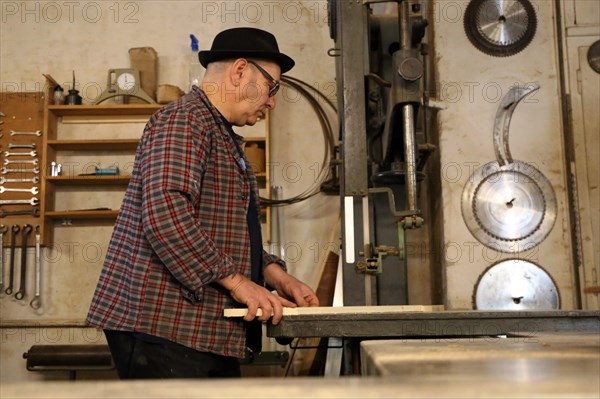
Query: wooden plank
x=95, y=145
x=356, y=310
x=92, y=180
x=105, y=110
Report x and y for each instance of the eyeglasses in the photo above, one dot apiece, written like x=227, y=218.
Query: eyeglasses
x=275, y=88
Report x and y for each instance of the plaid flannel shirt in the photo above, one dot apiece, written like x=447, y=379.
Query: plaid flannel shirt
x=181, y=227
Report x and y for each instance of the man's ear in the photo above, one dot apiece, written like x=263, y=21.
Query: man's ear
x=237, y=70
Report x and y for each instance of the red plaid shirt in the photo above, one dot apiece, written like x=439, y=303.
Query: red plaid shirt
x=181, y=227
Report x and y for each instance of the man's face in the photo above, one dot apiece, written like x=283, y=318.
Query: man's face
x=255, y=88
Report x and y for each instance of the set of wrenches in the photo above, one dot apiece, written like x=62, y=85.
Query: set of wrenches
x=24, y=232
x=20, y=161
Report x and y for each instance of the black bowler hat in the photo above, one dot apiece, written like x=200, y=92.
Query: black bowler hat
x=246, y=42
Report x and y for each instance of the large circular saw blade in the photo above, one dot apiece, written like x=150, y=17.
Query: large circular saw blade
x=500, y=28
x=515, y=284
x=510, y=208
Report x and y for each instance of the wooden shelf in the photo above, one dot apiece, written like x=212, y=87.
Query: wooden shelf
x=94, y=145
x=83, y=215
x=89, y=180
x=128, y=117
x=64, y=143
x=104, y=110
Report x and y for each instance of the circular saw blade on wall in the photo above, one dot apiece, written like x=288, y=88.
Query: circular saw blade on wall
x=510, y=208
x=515, y=284
x=500, y=28
x=508, y=205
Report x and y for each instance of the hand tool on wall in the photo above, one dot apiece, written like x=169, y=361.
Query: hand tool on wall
x=37, y=133
x=32, y=201
x=36, y=302
x=21, y=161
x=20, y=154
x=12, y=146
x=32, y=190
x=3, y=229
x=33, y=180
x=6, y=170
x=13, y=244
x=25, y=232
x=34, y=211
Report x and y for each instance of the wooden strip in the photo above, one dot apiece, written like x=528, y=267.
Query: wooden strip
x=326, y=310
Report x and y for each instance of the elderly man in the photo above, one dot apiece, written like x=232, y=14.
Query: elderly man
x=187, y=241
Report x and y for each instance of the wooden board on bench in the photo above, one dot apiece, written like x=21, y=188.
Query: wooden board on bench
x=328, y=310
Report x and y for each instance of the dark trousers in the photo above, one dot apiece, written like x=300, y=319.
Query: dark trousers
x=139, y=356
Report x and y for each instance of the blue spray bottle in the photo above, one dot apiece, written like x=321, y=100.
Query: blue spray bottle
x=195, y=67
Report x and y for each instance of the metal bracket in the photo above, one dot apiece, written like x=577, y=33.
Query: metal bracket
x=274, y=358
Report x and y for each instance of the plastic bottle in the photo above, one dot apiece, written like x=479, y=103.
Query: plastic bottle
x=195, y=66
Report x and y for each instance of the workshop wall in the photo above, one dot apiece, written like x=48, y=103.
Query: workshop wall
x=91, y=37
x=470, y=86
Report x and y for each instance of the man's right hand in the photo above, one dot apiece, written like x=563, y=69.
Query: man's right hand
x=254, y=297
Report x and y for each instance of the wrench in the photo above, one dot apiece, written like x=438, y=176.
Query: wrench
x=35, y=211
x=13, y=243
x=33, y=201
x=36, y=133
x=5, y=170
x=20, y=154
x=34, y=180
x=36, y=302
x=11, y=145
x=27, y=229
x=32, y=190
x=30, y=161
x=3, y=229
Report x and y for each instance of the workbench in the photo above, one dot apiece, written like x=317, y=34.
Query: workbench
x=430, y=326
x=433, y=324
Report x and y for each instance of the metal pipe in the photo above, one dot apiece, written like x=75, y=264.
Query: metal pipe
x=408, y=115
x=409, y=155
x=405, y=36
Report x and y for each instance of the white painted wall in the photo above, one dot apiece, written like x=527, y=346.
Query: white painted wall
x=90, y=37
x=471, y=85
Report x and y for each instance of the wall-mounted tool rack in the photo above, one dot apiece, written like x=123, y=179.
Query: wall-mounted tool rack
x=21, y=153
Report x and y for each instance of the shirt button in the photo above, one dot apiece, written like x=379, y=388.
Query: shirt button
x=244, y=197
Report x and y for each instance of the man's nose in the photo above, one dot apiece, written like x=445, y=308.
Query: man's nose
x=271, y=103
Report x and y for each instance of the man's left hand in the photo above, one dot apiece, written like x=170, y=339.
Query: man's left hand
x=290, y=287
